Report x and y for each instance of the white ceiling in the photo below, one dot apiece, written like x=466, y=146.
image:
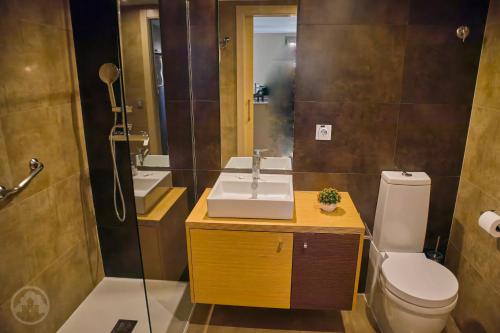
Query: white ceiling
x=274, y=24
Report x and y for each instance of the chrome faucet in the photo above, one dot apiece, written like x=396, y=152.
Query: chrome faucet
x=141, y=155
x=256, y=158
x=133, y=165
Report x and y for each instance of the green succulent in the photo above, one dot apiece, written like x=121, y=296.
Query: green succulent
x=329, y=196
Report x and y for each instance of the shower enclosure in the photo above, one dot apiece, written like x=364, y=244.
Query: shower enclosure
x=79, y=252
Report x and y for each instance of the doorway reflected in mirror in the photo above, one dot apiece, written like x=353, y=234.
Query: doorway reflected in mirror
x=258, y=44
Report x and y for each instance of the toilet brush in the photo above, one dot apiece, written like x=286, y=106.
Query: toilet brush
x=435, y=254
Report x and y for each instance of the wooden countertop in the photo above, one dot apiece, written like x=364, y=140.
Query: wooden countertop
x=308, y=217
x=157, y=213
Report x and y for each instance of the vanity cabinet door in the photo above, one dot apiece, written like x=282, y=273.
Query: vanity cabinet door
x=324, y=270
x=241, y=268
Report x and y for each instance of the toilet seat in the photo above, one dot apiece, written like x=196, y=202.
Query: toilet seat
x=419, y=281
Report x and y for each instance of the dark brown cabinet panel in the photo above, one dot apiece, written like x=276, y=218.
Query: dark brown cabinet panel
x=324, y=270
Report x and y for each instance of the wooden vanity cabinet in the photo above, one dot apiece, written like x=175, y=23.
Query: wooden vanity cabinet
x=309, y=262
x=324, y=270
x=241, y=268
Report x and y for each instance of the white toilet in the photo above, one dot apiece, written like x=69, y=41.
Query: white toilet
x=407, y=292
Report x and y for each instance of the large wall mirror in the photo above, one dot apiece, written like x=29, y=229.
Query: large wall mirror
x=257, y=48
x=144, y=82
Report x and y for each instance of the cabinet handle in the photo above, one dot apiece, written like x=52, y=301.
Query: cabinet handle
x=248, y=111
x=306, y=245
x=280, y=246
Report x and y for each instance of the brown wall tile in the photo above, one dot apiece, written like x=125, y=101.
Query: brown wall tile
x=204, y=41
x=353, y=12
x=432, y=138
x=455, y=12
x=439, y=67
x=179, y=137
x=345, y=63
x=443, y=194
x=207, y=135
x=363, y=137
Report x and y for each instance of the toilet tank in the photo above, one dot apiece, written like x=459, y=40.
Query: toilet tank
x=402, y=211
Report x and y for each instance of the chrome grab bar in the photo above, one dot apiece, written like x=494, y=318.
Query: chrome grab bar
x=35, y=167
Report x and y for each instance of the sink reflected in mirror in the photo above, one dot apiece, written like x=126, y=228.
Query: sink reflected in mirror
x=149, y=188
x=266, y=163
x=155, y=161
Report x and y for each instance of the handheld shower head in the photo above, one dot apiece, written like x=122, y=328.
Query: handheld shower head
x=109, y=73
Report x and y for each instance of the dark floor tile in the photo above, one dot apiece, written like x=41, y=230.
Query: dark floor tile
x=353, y=12
x=363, y=137
x=200, y=314
x=282, y=319
x=359, y=63
x=439, y=67
x=431, y=138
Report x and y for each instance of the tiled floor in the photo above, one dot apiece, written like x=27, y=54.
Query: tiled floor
x=228, y=319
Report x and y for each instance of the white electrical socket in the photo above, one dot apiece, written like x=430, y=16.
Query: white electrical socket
x=323, y=132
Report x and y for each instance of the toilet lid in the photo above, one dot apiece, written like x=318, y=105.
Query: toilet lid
x=420, y=281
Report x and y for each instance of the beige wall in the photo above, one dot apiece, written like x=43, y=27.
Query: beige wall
x=472, y=254
x=47, y=233
x=227, y=81
x=138, y=74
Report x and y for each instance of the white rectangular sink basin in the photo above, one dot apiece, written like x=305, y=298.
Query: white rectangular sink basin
x=149, y=188
x=162, y=161
x=268, y=163
x=232, y=196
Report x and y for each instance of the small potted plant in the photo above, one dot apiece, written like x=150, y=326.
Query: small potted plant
x=329, y=198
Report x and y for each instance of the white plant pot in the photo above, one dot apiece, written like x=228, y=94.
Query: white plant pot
x=328, y=208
